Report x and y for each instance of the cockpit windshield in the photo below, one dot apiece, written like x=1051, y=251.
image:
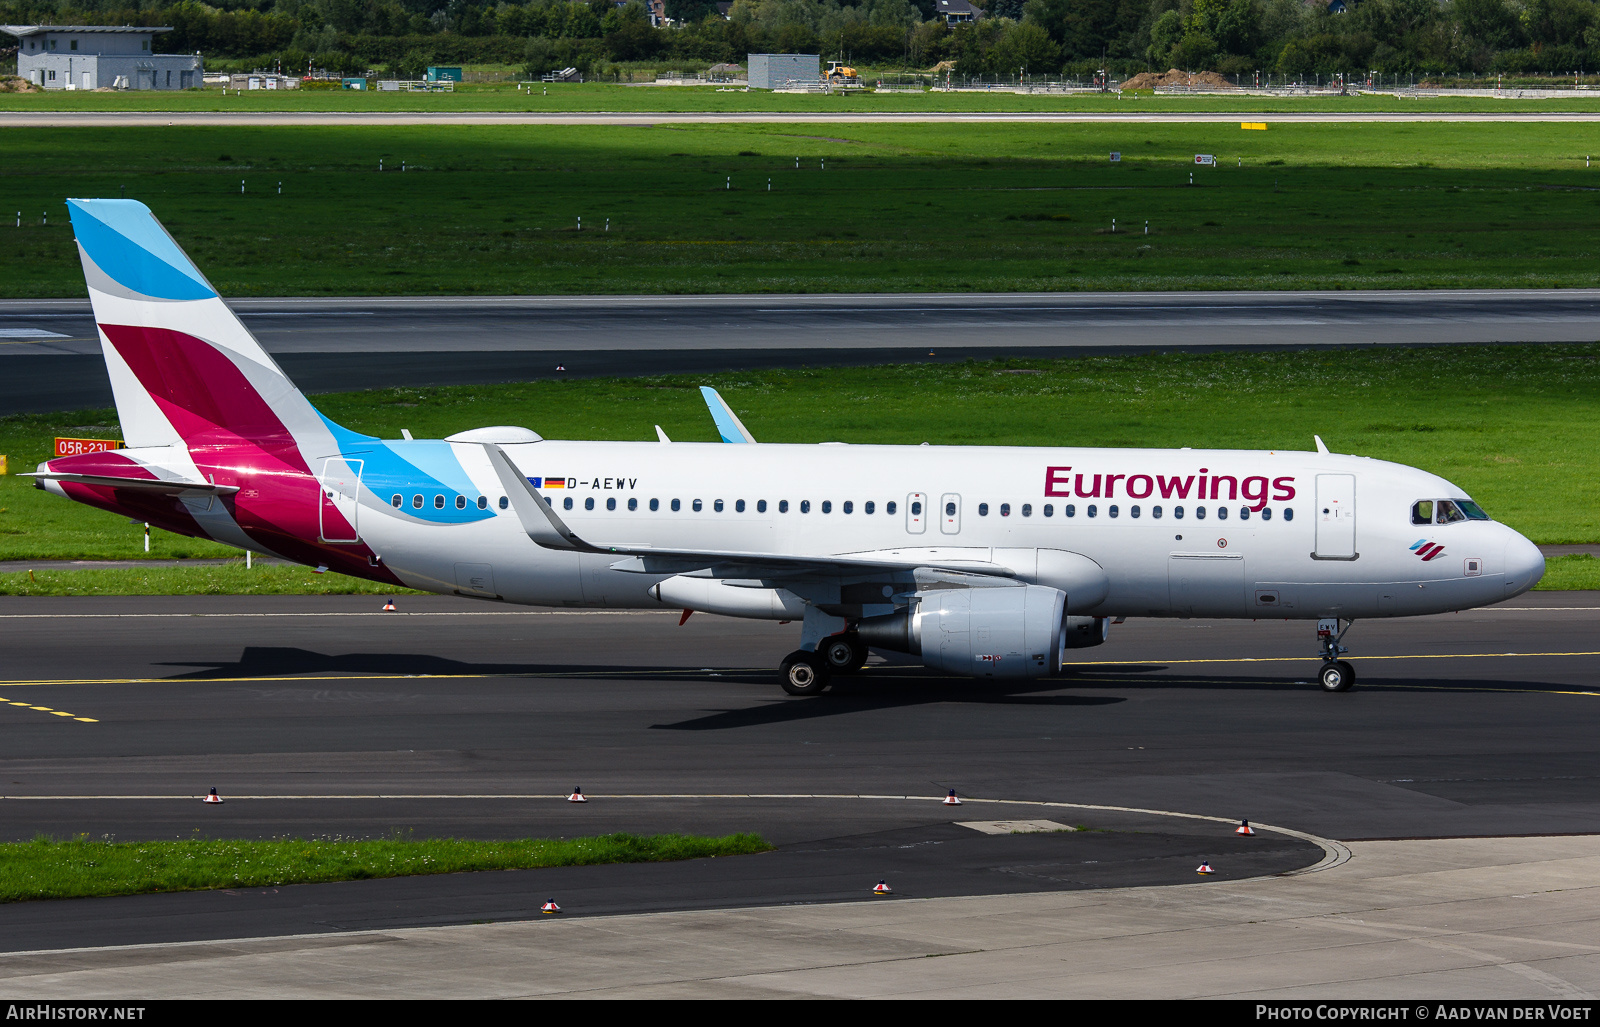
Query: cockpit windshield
x=1446, y=511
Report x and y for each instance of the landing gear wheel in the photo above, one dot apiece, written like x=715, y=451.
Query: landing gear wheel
x=1337, y=676
x=844, y=654
x=803, y=673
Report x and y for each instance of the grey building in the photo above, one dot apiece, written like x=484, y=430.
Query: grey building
x=785, y=70
x=100, y=56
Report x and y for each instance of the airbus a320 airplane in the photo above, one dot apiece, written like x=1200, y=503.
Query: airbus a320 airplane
x=988, y=561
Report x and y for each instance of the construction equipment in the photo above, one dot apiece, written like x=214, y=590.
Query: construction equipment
x=840, y=74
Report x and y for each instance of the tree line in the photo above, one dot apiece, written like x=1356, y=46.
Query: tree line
x=1033, y=37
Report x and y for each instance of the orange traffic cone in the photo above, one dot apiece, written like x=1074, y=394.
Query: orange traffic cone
x=550, y=907
x=1205, y=868
x=577, y=796
x=1244, y=828
x=213, y=797
x=883, y=889
x=951, y=800
x=388, y=607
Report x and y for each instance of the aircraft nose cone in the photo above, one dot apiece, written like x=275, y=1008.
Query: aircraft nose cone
x=1523, y=563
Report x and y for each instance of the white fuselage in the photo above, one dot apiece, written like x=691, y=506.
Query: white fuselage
x=1214, y=533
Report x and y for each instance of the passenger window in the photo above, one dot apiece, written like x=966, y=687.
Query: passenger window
x=1422, y=512
x=1133, y=511
x=949, y=509
x=655, y=504
x=717, y=505
x=1155, y=511
x=633, y=504
x=1177, y=513
x=1049, y=510
x=738, y=506
x=848, y=507
x=1199, y=513
x=461, y=502
x=916, y=509
x=566, y=504
x=827, y=506
x=805, y=506
x=783, y=506
x=611, y=502
x=761, y=506
x=1266, y=513
x=438, y=502
x=1005, y=509
x=588, y=504
x=1222, y=513
x=483, y=502
x=1288, y=514
x=1027, y=509
x=677, y=505
x=416, y=502
x=1448, y=513
x=1113, y=509
x=1093, y=509
x=505, y=502
x=698, y=506
x=1069, y=510
x=888, y=508
x=1244, y=513
x=868, y=507
x=983, y=509
x=397, y=502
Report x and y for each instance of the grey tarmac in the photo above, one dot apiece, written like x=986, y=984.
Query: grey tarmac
x=325, y=716
x=50, y=353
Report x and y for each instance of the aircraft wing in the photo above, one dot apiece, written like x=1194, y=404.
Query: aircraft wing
x=728, y=424
x=161, y=486
x=544, y=526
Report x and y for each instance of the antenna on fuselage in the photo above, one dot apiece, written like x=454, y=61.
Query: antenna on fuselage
x=1322, y=447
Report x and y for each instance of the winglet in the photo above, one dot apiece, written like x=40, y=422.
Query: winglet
x=728, y=424
x=1321, y=446
x=538, y=519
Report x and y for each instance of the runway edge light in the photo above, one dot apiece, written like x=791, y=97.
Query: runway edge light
x=883, y=888
x=1244, y=828
x=213, y=798
x=577, y=796
x=388, y=607
x=1204, y=869
x=550, y=907
x=951, y=800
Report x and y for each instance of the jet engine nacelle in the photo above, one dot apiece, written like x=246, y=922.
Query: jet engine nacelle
x=1016, y=631
x=1084, y=632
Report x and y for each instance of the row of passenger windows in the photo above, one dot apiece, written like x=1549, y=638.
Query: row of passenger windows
x=869, y=507
x=397, y=501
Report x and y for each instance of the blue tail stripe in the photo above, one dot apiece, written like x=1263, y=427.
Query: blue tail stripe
x=126, y=242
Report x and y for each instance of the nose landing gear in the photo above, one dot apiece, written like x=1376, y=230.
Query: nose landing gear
x=1336, y=675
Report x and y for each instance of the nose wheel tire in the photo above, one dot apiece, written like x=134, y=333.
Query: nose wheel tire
x=803, y=673
x=844, y=654
x=1337, y=676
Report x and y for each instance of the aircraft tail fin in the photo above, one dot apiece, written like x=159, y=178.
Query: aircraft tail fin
x=183, y=367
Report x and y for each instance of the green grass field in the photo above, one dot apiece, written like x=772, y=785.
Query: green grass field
x=1514, y=426
x=596, y=97
x=899, y=207
x=48, y=869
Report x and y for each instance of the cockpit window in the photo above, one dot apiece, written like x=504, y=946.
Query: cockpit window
x=1449, y=513
x=1473, y=511
x=1422, y=512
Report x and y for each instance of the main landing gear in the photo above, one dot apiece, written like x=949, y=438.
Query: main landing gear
x=807, y=673
x=1336, y=675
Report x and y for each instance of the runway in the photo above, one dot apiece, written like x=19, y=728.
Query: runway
x=51, y=360
x=321, y=716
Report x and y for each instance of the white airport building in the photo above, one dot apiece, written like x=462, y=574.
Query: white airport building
x=100, y=56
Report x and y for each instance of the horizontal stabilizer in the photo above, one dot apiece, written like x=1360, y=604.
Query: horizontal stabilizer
x=160, y=486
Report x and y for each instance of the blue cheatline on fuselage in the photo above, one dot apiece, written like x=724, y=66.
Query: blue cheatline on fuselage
x=427, y=468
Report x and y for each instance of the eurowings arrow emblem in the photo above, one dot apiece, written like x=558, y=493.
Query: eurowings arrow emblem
x=1427, y=550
